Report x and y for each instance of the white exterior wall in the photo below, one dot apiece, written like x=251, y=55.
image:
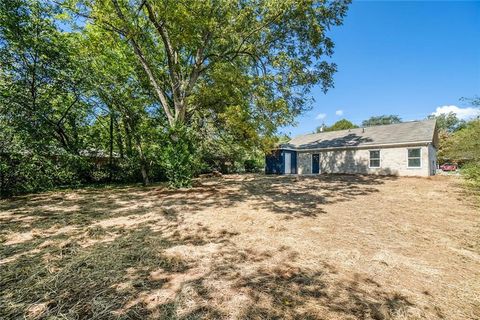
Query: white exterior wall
x=393, y=161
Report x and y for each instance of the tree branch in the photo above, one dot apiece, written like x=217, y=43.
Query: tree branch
x=59, y=122
x=172, y=60
x=146, y=67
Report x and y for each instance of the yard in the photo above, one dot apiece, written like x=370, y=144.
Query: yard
x=245, y=247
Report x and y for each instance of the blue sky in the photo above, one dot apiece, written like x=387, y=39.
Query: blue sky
x=404, y=58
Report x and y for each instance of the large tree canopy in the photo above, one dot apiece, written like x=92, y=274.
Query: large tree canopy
x=241, y=68
x=272, y=51
x=117, y=90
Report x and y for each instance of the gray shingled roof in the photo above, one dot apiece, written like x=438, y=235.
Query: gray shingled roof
x=406, y=132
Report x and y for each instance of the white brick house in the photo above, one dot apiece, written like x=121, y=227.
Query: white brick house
x=405, y=149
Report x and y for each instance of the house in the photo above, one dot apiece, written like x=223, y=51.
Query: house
x=404, y=149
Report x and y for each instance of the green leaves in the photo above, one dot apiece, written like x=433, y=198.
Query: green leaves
x=464, y=144
x=342, y=124
x=179, y=156
x=159, y=86
x=381, y=120
x=40, y=78
x=278, y=47
x=448, y=122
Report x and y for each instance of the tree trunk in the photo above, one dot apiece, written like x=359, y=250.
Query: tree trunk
x=111, y=146
x=143, y=162
x=119, y=139
x=128, y=136
x=138, y=145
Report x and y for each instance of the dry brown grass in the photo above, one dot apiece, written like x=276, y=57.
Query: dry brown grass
x=245, y=247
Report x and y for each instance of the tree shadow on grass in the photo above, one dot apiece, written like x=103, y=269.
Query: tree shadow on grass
x=104, y=254
x=29, y=221
x=135, y=275
x=293, y=293
x=286, y=195
x=291, y=196
x=105, y=280
x=305, y=196
x=286, y=291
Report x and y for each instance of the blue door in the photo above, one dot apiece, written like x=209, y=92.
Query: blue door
x=315, y=163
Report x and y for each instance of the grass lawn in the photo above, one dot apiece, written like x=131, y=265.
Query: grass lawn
x=245, y=247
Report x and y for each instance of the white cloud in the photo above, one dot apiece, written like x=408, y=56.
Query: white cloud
x=339, y=112
x=462, y=113
x=321, y=116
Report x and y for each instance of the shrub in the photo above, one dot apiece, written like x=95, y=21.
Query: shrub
x=252, y=165
x=471, y=172
x=179, y=157
x=32, y=172
x=24, y=173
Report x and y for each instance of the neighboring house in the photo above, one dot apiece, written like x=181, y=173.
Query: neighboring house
x=405, y=149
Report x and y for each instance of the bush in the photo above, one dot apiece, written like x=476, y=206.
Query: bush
x=25, y=173
x=252, y=165
x=179, y=157
x=20, y=176
x=471, y=172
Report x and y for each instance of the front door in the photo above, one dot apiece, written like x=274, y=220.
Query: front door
x=288, y=163
x=315, y=163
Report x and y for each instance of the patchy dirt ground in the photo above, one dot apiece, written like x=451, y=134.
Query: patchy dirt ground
x=245, y=247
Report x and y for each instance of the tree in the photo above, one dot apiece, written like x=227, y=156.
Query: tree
x=475, y=101
x=40, y=79
x=43, y=118
x=150, y=88
x=448, y=122
x=179, y=44
x=464, y=146
x=275, y=49
x=464, y=143
x=342, y=124
x=467, y=143
x=381, y=120
x=447, y=125
x=121, y=98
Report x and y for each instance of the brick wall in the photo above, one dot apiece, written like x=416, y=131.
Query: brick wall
x=392, y=161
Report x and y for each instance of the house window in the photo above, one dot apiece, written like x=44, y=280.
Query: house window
x=414, y=158
x=374, y=158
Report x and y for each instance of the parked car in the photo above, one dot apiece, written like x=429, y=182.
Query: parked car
x=448, y=167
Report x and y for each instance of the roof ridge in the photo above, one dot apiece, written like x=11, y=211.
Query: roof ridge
x=361, y=127
x=399, y=123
